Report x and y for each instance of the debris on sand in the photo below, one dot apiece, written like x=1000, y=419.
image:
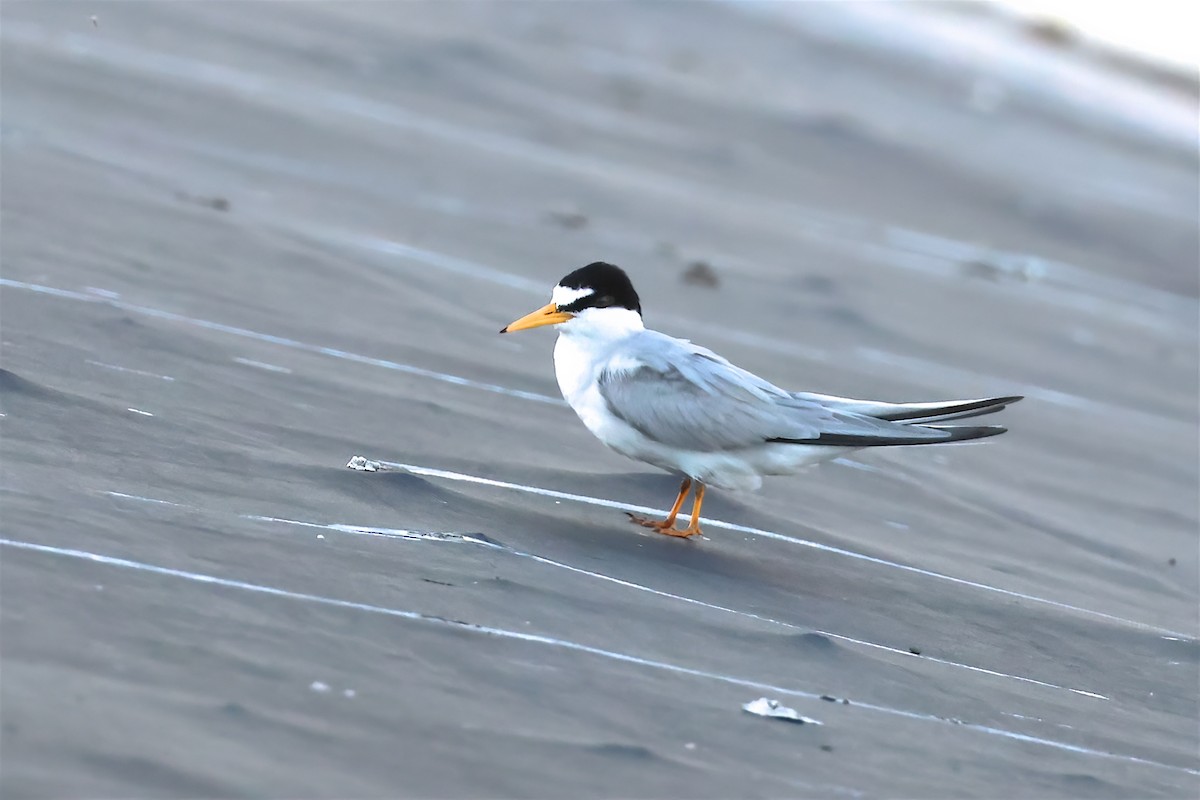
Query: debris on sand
x=571, y=220
x=916, y=651
x=215, y=203
x=363, y=464
x=701, y=273
x=1052, y=32
x=766, y=707
x=1004, y=267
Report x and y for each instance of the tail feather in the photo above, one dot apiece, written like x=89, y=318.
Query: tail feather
x=912, y=423
x=956, y=434
x=920, y=413
x=912, y=413
x=963, y=433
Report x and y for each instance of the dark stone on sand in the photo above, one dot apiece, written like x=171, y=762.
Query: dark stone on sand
x=701, y=273
x=828, y=748
x=571, y=220
x=816, y=641
x=1050, y=32
x=915, y=651
x=216, y=203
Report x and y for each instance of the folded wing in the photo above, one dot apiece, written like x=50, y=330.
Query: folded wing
x=688, y=397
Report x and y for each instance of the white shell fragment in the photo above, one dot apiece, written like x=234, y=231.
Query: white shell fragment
x=765, y=707
x=362, y=464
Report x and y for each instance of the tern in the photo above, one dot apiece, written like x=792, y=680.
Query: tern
x=683, y=408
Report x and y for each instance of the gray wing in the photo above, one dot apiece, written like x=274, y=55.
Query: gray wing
x=685, y=396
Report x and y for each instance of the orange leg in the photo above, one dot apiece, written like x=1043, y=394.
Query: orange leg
x=693, y=527
x=667, y=524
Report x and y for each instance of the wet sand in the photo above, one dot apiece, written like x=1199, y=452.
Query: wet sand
x=243, y=243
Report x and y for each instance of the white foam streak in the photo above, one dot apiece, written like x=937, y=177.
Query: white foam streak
x=715, y=523
x=284, y=342
x=563, y=644
x=473, y=538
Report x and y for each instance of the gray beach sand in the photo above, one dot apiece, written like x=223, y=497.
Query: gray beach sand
x=244, y=242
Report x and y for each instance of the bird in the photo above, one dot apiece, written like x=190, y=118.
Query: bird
x=683, y=408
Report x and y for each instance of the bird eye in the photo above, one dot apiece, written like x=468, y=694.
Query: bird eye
x=605, y=301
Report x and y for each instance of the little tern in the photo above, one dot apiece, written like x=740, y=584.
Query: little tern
x=687, y=410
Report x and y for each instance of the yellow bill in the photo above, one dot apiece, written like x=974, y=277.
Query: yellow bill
x=546, y=315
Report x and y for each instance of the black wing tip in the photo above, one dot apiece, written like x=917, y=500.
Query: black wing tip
x=964, y=433
x=947, y=411
x=959, y=433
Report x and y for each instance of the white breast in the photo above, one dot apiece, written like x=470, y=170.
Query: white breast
x=577, y=366
x=586, y=344
x=578, y=362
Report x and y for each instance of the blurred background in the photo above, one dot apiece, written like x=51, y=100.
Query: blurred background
x=243, y=241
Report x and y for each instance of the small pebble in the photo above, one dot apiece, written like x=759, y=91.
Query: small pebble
x=571, y=220
x=320, y=536
x=828, y=748
x=701, y=273
x=215, y=203
x=914, y=651
x=318, y=686
x=1171, y=561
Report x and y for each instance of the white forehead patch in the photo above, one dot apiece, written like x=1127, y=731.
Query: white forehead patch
x=564, y=296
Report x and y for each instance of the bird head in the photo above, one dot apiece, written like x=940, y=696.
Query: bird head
x=598, y=298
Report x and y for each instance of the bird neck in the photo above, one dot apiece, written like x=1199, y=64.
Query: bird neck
x=602, y=325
